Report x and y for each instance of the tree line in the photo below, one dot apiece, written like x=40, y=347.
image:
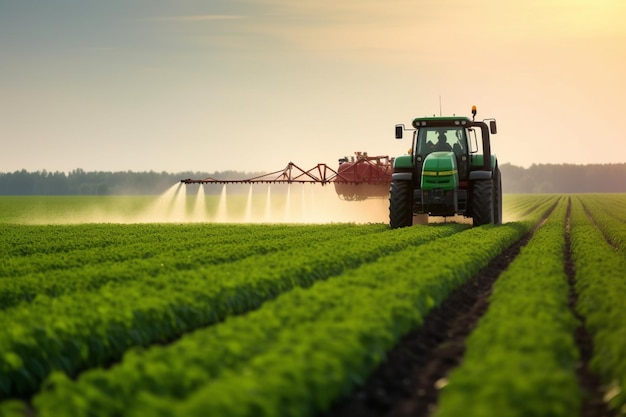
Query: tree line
x=539, y=178
x=80, y=182
x=564, y=178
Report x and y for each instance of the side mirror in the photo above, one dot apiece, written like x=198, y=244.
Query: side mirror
x=492, y=127
x=399, y=130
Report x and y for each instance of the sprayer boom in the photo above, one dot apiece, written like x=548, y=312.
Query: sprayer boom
x=292, y=173
x=371, y=173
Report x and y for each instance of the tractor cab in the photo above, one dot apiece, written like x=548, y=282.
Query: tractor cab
x=450, y=170
x=444, y=139
x=441, y=139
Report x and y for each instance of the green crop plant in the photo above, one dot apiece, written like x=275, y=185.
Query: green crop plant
x=86, y=257
x=608, y=218
x=601, y=287
x=333, y=335
x=159, y=282
x=84, y=329
x=521, y=358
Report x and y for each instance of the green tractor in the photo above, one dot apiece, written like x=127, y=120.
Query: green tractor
x=449, y=171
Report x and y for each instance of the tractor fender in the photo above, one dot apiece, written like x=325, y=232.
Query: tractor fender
x=403, y=162
x=478, y=161
x=402, y=176
x=480, y=175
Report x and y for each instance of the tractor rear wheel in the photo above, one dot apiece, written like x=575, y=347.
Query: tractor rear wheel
x=497, y=197
x=483, y=202
x=400, y=204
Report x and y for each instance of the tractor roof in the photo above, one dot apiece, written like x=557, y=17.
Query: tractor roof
x=440, y=121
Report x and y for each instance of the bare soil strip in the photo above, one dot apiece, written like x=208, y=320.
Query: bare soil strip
x=592, y=401
x=407, y=383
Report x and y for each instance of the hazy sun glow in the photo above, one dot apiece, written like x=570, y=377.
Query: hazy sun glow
x=303, y=203
x=251, y=85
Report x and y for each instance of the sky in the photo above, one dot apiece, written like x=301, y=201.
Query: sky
x=251, y=85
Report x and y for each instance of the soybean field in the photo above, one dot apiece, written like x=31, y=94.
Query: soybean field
x=325, y=319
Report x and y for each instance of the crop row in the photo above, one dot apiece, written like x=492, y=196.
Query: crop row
x=90, y=328
x=296, y=354
x=521, y=359
x=87, y=270
x=609, y=218
x=49, y=248
x=528, y=332
x=520, y=205
x=601, y=285
x=611, y=203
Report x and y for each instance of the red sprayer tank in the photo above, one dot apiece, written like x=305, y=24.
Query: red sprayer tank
x=362, y=176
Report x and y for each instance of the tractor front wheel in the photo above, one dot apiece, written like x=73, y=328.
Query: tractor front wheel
x=483, y=202
x=400, y=204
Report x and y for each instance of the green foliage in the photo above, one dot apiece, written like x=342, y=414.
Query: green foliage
x=57, y=260
x=601, y=287
x=521, y=358
x=294, y=355
x=82, y=329
x=521, y=205
x=607, y=213
x=241, y=320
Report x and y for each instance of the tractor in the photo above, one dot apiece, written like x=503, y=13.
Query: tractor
x=449, y=171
